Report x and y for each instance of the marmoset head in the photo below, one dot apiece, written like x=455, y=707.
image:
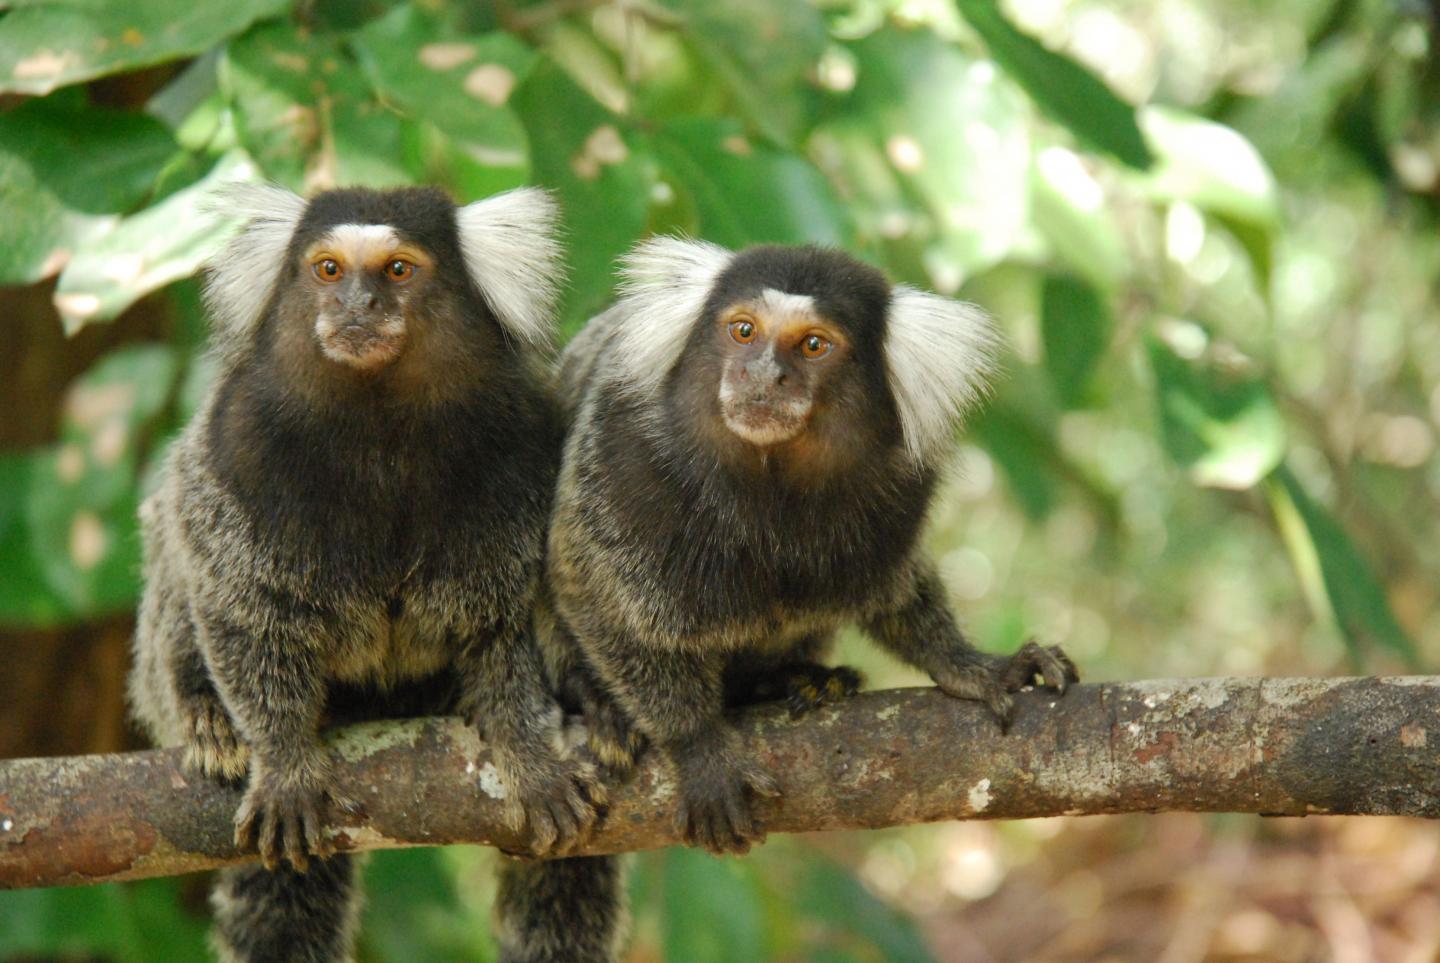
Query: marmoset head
x=363, y=283
x=781, y=333
x=800, y=352
x=365, y=280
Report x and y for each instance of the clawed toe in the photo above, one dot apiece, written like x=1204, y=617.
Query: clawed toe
x=1047, y=665
x=214, y=749
x=560, y=804
x=717, y=791
x=283, y=823
x=816, y=686
x=992, y=679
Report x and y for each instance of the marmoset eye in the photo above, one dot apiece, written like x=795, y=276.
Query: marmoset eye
x=743, y=330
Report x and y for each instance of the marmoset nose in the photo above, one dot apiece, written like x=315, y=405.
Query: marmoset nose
x=357, y=299
x=764, y=372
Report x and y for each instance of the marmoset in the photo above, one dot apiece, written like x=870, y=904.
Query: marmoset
x=353, y=525
x=755, y=438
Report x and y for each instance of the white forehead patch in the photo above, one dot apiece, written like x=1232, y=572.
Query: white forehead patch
x=783, y=307
x=361, y=243
x=940, y=354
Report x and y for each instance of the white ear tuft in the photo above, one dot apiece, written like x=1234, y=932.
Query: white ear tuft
x=666, y=281
x=241, y=277
x=940, y=354
x=514, y=258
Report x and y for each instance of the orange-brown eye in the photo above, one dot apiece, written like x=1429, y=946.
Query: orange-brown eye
x=742, y=330
x=328, y=269
x=814, y=346
x=399, y=270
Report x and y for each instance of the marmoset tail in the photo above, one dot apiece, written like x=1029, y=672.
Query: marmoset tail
x=353, y=525
x=754, y=442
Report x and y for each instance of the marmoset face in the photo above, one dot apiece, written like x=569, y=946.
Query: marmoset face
x=797, y=360
x=393, y=296
x=776, y=352
x=364, y=280
x=786, y=358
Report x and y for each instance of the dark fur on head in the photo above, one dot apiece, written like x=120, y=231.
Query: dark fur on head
x=755, y=439
x=334, y=541
x=425, y=215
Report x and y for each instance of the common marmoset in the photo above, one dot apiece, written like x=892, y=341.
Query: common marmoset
x=754, y=442
x=353, y=525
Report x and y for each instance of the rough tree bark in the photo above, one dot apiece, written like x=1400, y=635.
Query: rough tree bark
x=1271, y=746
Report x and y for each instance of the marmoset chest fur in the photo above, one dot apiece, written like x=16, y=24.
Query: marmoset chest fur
x=387, y=580
x=716, y=556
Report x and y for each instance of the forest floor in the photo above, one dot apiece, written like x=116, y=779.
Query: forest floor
x=1183, y=888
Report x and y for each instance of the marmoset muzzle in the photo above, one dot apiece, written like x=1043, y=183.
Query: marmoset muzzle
x=763, y=403
x=361, y=327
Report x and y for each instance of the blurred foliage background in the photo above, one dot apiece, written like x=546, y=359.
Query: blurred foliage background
x=1208, y=228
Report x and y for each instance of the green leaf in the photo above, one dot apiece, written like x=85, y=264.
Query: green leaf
x=459, y=86
x=845, y=913
x=163, y=928
x=145, y=251
x=602, y=175
x=81, y=510
x=1209, y=165
x=1075, y=326
x=713, y=909
x=1026, y=449
x=1070, y=210
x=68, y=536
x=766, y=52
x=67, y=171
x=307, y=114
x=950, y=135
x=174, y=102
x=26, y=599
x=191, y=106
x=1287, y=124
x=45, y=45
x=1216, y=169
x=596, y=69
x=1353, y=596
x=853, y=158
x=413, y=914
x=1067, y=92
x=746, y=192
x=80, y=920
x=125, y=922
x=1217, y=417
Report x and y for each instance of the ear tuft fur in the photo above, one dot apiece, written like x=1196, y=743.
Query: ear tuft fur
x=940, y=354
x=514, y=258
x=240, y=279
x=665, y=283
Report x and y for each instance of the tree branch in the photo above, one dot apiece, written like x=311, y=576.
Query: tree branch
x=1272, y=746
